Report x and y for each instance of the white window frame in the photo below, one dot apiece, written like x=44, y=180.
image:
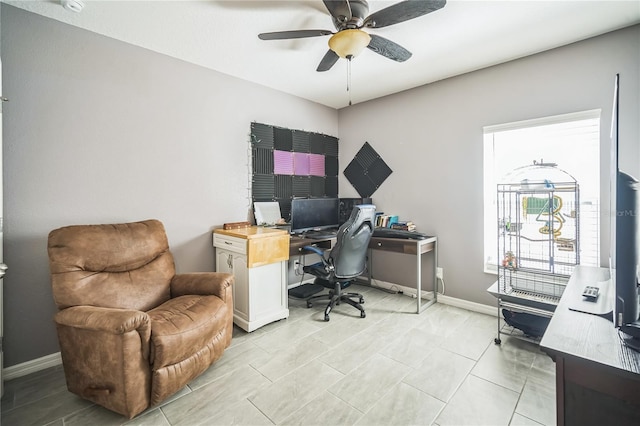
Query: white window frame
x=491, y=180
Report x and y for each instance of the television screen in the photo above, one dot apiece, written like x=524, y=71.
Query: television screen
x=625, y=243
x=314, y=214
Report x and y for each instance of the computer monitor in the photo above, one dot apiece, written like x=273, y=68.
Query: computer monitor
x=314, y=214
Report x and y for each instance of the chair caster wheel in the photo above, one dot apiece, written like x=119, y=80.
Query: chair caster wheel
x=362, y=300
x=326, y=317
x=309, y=304
x=497, y=341
x=362, y=315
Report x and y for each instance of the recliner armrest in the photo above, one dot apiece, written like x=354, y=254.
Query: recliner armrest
x=116, y=321
x=203, y=283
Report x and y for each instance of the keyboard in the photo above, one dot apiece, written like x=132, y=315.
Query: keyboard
x=321, y=235
x=398, y=233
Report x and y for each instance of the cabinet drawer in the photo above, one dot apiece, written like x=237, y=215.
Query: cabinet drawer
x=237, y=245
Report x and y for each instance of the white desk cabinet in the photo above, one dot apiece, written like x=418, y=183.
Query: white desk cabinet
x=257, y=257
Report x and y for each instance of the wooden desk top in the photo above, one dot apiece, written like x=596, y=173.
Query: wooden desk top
x=251, y=232
x=589, y=337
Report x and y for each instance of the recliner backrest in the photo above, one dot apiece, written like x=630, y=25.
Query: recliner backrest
x=349, y=255
x=113, y=266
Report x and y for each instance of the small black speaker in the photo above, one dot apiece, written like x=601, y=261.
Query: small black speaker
x=346, y=206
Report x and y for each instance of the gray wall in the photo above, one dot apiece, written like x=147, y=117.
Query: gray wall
x=431, y=137
x=99, y=131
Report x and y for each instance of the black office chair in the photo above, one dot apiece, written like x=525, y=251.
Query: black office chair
x=345, y=261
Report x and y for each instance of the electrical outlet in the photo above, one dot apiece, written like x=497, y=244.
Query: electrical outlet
x=439, y=273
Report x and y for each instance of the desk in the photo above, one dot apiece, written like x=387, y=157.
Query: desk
x=597, y=377
x=406, y=246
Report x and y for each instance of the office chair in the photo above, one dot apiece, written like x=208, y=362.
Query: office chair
x=345, y=261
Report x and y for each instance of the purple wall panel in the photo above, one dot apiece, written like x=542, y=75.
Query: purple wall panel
x=300, y=164
x=316, y=165
x=282, y=162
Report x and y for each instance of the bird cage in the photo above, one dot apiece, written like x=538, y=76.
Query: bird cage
x=538, y=230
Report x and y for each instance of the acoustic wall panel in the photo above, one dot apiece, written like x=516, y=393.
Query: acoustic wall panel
x=301, y=164
x=300, y=141
x=316, y=165
x=262, y=136
x=282, y=139
x=317, y=186
x=283, y=186
x=301, y=186
x=262, y=187
x=262, y=161
x=283, y=162
x=330, y=166
x=292, y=163
x=367, y=171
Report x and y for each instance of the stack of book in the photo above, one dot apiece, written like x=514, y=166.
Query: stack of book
x=405, y=226
x=392, y=221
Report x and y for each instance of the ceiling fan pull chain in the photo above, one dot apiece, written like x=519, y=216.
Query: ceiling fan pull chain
x=349, y=78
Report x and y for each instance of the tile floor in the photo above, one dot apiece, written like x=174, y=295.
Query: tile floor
x=391, y=368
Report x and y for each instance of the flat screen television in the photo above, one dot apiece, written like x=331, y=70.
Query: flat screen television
x=314, y=214
x=625, y=242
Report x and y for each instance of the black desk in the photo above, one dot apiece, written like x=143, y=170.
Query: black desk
x=398, y=245
x=597, y=377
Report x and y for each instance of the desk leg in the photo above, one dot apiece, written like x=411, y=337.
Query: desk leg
x=420, y=307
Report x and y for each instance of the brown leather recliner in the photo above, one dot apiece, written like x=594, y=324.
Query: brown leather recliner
x=131, y=331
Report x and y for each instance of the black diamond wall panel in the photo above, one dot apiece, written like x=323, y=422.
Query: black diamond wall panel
x=366, y=156
x=367, y=171
x=378, y=172
x=261, y=135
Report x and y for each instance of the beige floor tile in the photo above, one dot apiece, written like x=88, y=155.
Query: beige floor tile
x=403, y=405
x=478, y=402
x=324, y=410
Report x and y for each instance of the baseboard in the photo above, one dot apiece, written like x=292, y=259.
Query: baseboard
x=445, y=300
x=32, y=366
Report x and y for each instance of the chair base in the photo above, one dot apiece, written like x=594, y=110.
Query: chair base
x=335, y=297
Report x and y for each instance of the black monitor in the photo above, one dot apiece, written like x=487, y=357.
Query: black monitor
x=314, y=214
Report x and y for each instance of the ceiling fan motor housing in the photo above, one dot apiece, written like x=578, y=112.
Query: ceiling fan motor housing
x=359, y=11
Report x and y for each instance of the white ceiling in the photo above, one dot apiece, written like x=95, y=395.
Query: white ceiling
x=222, y=35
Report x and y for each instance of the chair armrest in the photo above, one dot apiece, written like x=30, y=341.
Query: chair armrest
x=107, y=320
x=316, y=250
x=111, y=320
x=203, y=283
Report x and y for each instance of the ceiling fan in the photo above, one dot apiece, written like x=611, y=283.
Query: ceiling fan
x=349, y=17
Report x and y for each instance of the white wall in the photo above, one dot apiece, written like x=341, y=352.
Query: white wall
x=99, y=131
x=431, y=137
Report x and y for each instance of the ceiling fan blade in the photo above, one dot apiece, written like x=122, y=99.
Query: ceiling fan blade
x=402, y=11
x=339, y=9
x=284, y=35
x=388, y=48
x=329, y=59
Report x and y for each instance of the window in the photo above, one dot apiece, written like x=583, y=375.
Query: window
x=572, y=141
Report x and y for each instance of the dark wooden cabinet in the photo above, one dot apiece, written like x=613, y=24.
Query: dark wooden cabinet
x=597, y=376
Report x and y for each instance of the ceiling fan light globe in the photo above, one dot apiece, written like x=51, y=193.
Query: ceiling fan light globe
x=349, y=43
